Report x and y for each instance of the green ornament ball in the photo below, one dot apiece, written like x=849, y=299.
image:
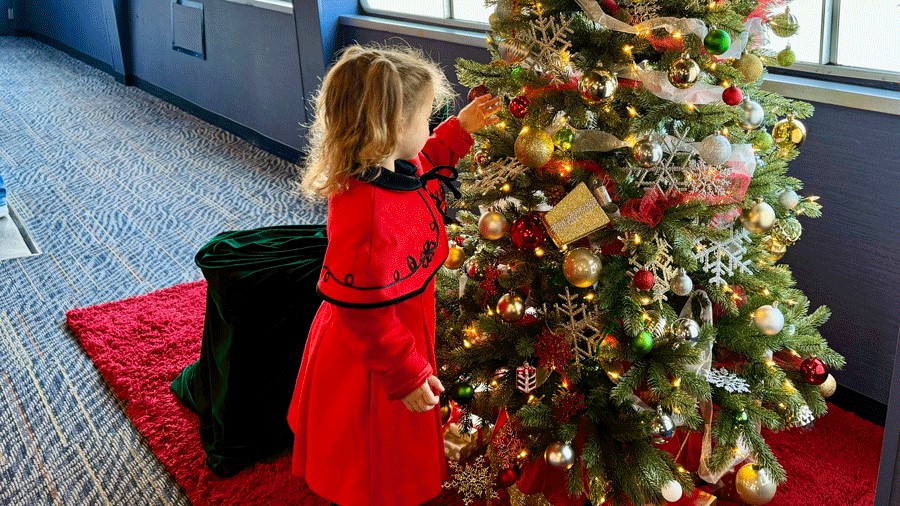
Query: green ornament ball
x=786, y=57
x=643, y=343
x=516, y=73
x=763, y=141
x=741, y=417
x=462, y=392
x=564, y=139
x=717, y=41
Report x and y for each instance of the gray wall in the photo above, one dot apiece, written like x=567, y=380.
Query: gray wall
x=79, y=25
x=251, y=74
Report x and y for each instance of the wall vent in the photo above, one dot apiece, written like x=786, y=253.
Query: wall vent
x=188, y=30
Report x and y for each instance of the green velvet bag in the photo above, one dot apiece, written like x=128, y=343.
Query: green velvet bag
x=261, y=299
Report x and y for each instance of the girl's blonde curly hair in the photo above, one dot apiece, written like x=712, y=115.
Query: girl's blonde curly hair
x=359, y=108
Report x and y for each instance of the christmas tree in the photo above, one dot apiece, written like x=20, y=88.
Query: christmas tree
x=619, y=289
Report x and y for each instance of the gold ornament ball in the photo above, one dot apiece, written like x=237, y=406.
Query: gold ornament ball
x=581, y=267
x=512, y=52
x=751, y=66
x=684, y=72
x=455, y=257
x=534, y=147
x=754, y=485
x=788, y=132
x=827, y=389
x=492, y=225
x=776, y=248
x=511, y=307
x=759, y=219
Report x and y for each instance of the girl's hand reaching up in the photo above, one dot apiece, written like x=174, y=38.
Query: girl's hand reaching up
x=480, y=113
x=424, y=398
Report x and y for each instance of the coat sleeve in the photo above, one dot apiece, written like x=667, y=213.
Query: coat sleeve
x=446, y=146
x=387, y=348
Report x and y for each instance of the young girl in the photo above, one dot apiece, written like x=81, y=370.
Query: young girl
x=365, y=431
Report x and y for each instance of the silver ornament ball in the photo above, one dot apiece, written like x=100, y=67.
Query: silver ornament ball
x=784, y=24
x=662, y=428
x=687, y=330
x=768, y=319
x=560, y=455
x=715, y=149
x=681, y=284
x=789, y=199
x=754, y=485
x=754, y=115
x=647, y=153
x=598, y=85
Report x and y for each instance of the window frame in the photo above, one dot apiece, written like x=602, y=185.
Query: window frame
x=828, y=46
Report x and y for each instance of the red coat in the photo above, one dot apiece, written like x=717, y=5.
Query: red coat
x=372, y=341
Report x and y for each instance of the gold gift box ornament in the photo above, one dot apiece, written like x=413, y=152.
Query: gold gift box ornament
x=581, y=213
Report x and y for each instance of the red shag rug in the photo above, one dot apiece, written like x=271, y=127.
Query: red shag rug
x=140, y=344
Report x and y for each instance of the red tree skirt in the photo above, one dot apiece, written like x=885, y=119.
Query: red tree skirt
x=140, y=344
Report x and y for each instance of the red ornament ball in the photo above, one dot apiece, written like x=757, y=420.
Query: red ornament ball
x=518, y=107
x=527, y=232
x=814, y=371
x=643, y=280
x=508, y=477
x=732, y=95
x=478, y=91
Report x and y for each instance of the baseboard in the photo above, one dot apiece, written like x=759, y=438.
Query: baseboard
x=74, y=53
x=860, y=405
x=253, y=137
x=259, y=140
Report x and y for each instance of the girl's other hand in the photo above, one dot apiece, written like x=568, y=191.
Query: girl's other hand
x=423, y=398
x=480, y=113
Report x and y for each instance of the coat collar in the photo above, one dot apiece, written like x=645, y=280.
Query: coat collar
x=403, y=178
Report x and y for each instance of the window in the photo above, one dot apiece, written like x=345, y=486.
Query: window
x=850, y=38
x=467, y=13
x=853, y=38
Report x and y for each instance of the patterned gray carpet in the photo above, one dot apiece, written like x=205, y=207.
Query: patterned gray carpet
x=118, y=190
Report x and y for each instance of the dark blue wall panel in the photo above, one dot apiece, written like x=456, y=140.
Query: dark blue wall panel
x=251, y=74
x=849, y=259
x=80, y=25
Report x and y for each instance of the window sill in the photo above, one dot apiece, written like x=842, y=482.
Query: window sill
x=800, y=88
x=272, y=5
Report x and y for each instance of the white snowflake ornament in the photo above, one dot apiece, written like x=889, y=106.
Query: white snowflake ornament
x=731, y=382
x=724, y=258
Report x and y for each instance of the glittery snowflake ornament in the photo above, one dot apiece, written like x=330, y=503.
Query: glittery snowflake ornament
x=547, y=40
x=640, y=10
x=724, y=258
x=498, y=173
x=672, y=172
x=731, y=382
x=578, y=326
x=473, y=481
